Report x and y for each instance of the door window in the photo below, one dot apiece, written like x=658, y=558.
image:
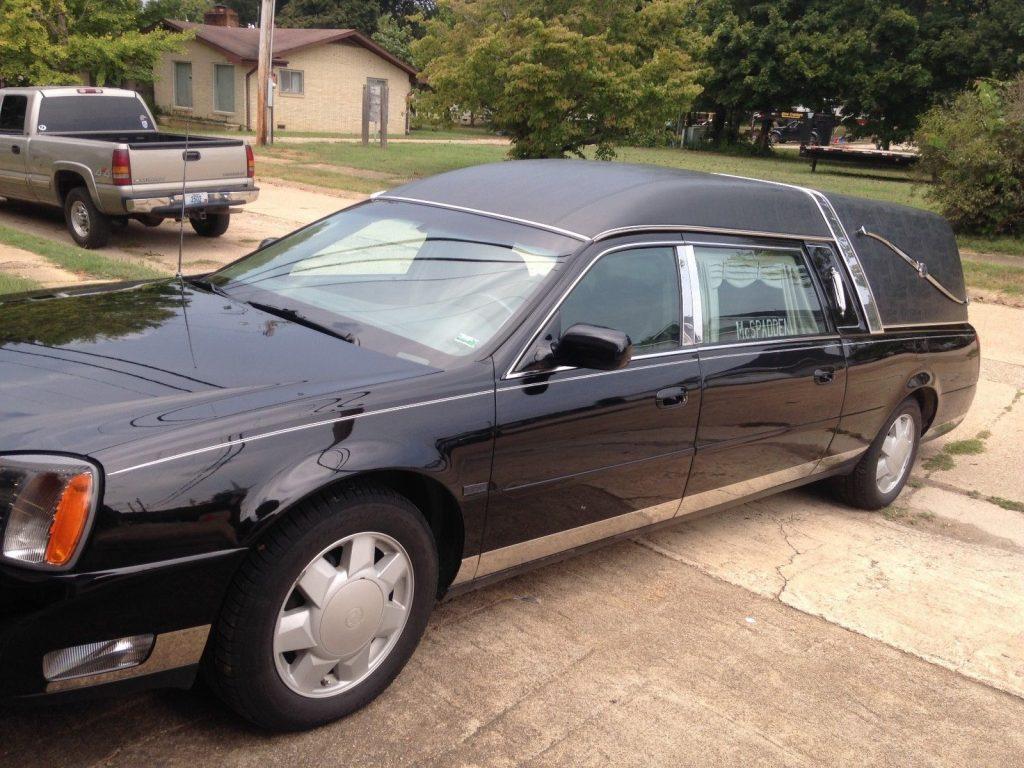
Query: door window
x=183, y=84
x=12, y=114
x=750, y=293
x=634, y=291
x=223, y=88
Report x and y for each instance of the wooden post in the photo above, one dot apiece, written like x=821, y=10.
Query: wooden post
x=263, y=68
x=366, y=115
x=384, y=116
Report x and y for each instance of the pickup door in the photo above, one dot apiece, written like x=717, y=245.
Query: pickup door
x=13, y=146
x=581, y=455
x=774, y=372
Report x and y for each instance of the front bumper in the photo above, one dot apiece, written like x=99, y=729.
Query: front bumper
x=170, y=205
x=177, y=601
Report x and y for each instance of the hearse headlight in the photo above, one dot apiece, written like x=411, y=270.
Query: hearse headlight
x=46, y=506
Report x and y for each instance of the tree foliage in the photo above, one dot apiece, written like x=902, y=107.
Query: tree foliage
x=49, y=42
x=394, y=36
x=974, y=148
x=331, y=14
x=558, y=76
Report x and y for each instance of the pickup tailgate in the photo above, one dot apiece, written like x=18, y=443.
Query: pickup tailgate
x=164, y=165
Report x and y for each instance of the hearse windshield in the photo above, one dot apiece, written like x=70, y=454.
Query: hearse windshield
x=424, y=283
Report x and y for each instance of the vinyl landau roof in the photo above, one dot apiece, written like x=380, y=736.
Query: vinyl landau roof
x=589, y=197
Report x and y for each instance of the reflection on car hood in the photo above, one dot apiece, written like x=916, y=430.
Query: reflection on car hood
x=97, y=368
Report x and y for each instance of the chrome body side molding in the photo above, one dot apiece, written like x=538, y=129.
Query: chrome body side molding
x=172, y=650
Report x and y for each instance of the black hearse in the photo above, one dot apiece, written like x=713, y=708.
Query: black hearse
x=271, y=473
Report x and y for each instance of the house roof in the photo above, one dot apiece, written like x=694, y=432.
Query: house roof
x=241, y=44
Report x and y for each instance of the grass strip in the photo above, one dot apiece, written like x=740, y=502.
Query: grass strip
x=14, y=284
x=79, y=260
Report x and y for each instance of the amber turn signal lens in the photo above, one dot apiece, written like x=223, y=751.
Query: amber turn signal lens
x=70, y=519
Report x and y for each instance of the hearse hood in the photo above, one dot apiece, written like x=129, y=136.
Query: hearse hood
x=87, y=371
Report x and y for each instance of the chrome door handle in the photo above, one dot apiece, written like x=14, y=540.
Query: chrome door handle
x=671, y=397
x=824, y=375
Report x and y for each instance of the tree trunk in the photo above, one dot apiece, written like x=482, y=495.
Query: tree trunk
x=717, y=124
x=766, y=128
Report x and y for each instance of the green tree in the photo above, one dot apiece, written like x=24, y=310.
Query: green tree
x=45, y=42
x=154, y=11
x=559, y=76
x=974, y=149
x=331, y=14
x=394, y=36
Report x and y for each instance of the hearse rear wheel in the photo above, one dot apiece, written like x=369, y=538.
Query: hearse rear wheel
x=881, y=473
x=327, y=610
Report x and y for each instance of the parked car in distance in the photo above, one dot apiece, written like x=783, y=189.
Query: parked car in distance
x=97, y=154
x=270, y=473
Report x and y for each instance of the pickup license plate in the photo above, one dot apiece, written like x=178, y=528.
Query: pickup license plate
x=196, y=198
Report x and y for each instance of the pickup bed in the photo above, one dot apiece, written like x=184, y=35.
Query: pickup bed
x=97, y=154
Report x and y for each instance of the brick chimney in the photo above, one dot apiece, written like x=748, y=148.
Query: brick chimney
x=221, y=16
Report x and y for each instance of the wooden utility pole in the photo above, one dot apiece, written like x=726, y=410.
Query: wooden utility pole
x=263, y=68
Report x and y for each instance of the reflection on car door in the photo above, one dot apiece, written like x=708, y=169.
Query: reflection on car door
x=13, y=147
x=581, y=455
x=774, y=373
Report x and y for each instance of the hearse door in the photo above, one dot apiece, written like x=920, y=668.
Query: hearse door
x=581, y=455
x=774, y=372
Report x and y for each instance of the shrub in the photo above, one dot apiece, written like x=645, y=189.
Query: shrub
x=974, y=150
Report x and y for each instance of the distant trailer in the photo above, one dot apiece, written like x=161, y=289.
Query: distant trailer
x=877, y=158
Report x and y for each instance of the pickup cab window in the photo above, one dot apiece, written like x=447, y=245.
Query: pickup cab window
x=749, y=294
x=12, y=114
x=93, y=112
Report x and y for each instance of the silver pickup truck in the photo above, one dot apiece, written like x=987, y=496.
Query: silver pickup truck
x=97, y=153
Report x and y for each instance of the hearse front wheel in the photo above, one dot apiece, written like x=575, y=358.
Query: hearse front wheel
x=882, y=472
x=326, y=610
x=213, y=225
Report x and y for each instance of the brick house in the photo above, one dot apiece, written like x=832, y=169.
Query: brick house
x=320, y=74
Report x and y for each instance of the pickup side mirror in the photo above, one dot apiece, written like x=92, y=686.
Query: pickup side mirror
x=265, y=242
x=591, y=346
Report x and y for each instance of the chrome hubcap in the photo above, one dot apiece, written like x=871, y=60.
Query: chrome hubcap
x=343, y=615
x=894, y=460
x=80, y=219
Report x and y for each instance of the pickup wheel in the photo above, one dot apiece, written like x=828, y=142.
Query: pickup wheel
x=881, y=473
x=326, y=610
x=214, y=225
x=86, y=224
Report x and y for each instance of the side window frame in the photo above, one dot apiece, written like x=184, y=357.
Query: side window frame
x=836, y=263
x=24, y=116
x=824, y=304
x=520, y=365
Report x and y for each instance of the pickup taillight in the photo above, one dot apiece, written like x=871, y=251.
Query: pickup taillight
x=250, y=162
x=121, y=168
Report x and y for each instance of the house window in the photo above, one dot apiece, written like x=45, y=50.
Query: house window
x=291, y=81
x=183, y=84
x=223, y=88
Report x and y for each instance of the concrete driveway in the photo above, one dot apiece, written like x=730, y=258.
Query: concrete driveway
x=790, y=631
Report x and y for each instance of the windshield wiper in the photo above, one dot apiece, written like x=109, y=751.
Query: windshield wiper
x=206, y=285
x=300, y=319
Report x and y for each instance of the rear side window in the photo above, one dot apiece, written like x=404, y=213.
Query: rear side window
x=634, y=291
x=749, y=294
x=12, y=114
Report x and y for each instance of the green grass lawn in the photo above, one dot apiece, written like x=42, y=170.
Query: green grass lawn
x=14, y=284
x=78, y=260
x=403, y=162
